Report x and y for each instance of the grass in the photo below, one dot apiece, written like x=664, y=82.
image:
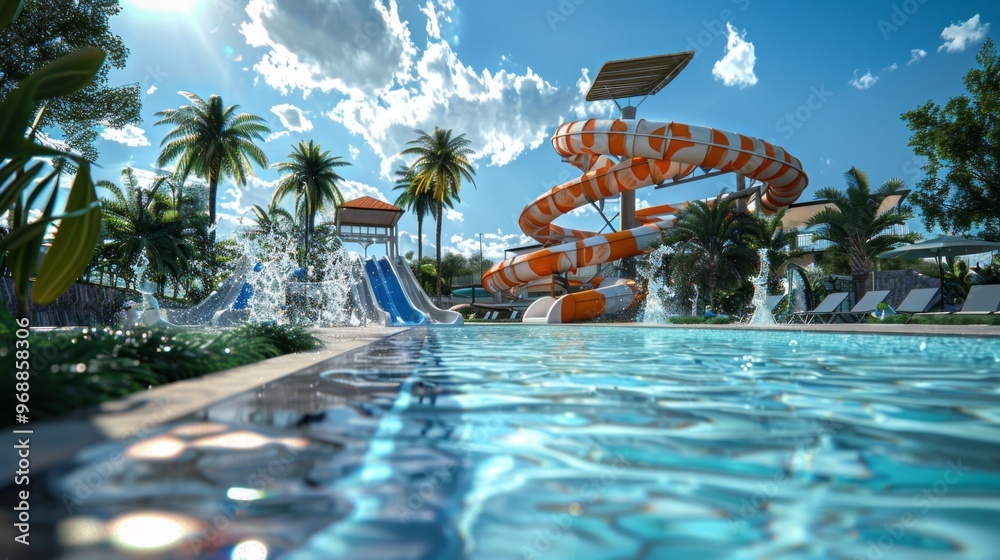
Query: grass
x=77, y=370
x=936, y=320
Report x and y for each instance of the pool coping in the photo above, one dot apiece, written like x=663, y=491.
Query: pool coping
x=137, y=415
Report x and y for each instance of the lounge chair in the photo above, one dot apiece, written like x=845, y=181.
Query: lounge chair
x=867, y=304
x=917, y=301
x=826, y=308
x=983, y=299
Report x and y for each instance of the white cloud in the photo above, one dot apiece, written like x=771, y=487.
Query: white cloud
x=736, y=67
x=144, y=177
x=408, y=242
x=356, y=189
x=235, y=197
x=390, y=87
x=583, y=108
x=433, y=25
x=130, y=136
x=292, y=118
x=353, y=44
x=232, y=208
x=354, y=151
x=494, y=244
x=502, y=114
x=151, y=90
x=893, y=67
x=864, y=82
x=916, y=55
x=255, y=182
x=958, y=37
x=453, y=215
x=50, y=142
x=275, y=135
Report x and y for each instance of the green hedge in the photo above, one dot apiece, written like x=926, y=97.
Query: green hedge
x=77, y=370
x=936, y=320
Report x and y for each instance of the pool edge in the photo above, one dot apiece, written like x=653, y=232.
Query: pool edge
x=137, y=415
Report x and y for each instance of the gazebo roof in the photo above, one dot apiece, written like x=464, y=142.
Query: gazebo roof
x=368, y=211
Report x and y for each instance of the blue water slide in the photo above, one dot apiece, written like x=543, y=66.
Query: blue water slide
x=390, y=296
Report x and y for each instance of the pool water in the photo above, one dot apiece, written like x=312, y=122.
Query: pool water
x=571, y=443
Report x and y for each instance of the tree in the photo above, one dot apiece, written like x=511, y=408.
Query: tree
x=711, y=247
x=310, y=176
x=451, y=264
x=210, y=142
x=271, y=220
x=145, y=222
x=48, y=29
x=854, y=226
x=421, y=204
x=961, y=142
x=442, y=162
x=21, y=183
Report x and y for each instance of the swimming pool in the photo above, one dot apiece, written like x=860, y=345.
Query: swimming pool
x=494, y=442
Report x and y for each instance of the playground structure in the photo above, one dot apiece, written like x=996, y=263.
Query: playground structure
x=617, y=157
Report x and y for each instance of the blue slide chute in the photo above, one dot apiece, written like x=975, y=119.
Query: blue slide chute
x=391, y=297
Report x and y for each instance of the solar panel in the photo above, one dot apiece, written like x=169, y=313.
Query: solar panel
x=637, y=77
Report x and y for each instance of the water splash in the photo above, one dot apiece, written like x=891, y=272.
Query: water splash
x=322, y=294
x=659, y=304
x=268, y=286
x=762, y=313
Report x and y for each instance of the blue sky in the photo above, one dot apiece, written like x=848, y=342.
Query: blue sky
x=825, y=80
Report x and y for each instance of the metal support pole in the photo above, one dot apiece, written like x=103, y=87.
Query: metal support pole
x=626, y=219
x=741, y=185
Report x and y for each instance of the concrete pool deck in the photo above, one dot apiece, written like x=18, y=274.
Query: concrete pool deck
x=137, y=415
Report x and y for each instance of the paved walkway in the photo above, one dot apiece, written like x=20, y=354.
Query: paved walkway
x=136, y=415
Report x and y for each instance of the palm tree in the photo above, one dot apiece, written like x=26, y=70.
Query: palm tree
x=271, y=220
x=211, y=141
x=442, y=162
x=310, y=176
x=711, y=248
x=856, y=228
x=144, y=222
x=421, y=204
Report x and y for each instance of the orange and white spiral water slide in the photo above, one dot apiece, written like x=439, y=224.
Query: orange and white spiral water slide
x=650, y=153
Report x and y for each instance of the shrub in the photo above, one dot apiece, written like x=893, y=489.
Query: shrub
x=78, y=369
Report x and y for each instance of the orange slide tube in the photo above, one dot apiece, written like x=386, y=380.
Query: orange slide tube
x=651, y=153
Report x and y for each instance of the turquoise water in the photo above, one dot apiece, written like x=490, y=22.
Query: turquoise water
x=581, y=443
